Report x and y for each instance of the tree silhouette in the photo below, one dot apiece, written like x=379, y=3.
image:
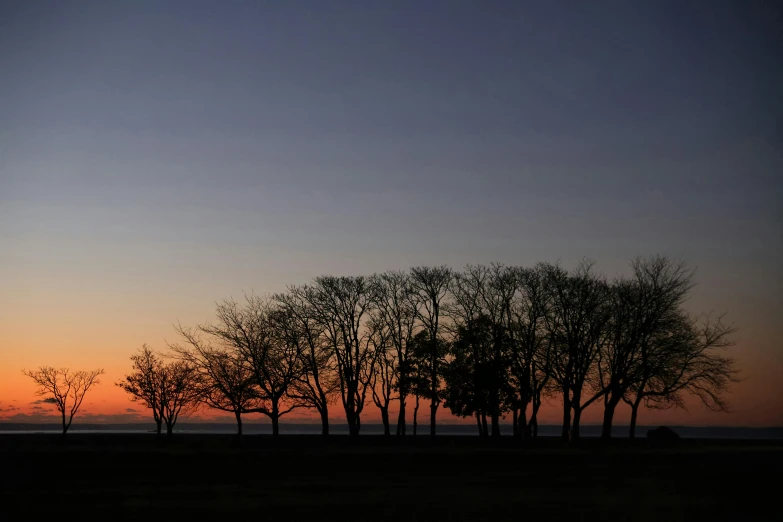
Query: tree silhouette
x=688, y=358
x=643, y=308
x=384, y=374
x=530, y=347
x=64, y=388
x=395, y=309
x=168, y=389
x=431, y=285
x=318, y=380
x=487, y=341
x=342, y=306
x=260, y=334
x=498, y=296
x=576, y=323
x=417, y=370
x=227, y=381
x=476, y=384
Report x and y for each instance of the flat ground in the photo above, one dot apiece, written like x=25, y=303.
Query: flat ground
x=107, y=477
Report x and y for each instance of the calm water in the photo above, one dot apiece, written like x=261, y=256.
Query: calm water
x=712, y=432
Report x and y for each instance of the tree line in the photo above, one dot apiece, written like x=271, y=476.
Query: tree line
x=488, y=342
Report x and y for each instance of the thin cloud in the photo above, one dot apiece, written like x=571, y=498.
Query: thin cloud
x=49, y=402
x=43, y=417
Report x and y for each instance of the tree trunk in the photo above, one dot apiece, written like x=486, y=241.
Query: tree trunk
x=566, y=429
x=433, y=411
x=385, y=420
x=324, y=421
x=169, y=428
x=533, y=424
x=478, y=423
x=523, y=428
x=515, y=423
x=159, y=426
x=606, y=428
x=415, y=415
x=634, y=412
x=575, y=427
x=65, y=426
x=484, y=431
x=434, y=377
x=353, y=427
x=495, y=424
x=401, y=415
x=350, y=416
x=238, y=415
x=275, y=416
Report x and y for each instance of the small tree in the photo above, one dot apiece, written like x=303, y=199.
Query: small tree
x=143, y=384
x=168, y=389
x=64, y=388
x=181, y=391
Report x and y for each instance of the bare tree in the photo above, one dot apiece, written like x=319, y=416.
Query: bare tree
x=395, y=309
x=64, y=388
x=687, y=358
x=342, y=306
x=144, y=383
x=530, y=348
x=431, y=285
x=385, y=373
x=541, y=383
x=576, y=325
x=318, y=381
x=258, y=332
x=168, y=389
x=227, y=380
x=180, y=392
x=642, y=309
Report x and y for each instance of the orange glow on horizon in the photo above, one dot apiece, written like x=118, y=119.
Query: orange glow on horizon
x=90, y=333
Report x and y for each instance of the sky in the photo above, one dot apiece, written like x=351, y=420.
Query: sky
x=156, y=157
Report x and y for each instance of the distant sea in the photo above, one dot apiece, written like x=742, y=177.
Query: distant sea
x=251, y=428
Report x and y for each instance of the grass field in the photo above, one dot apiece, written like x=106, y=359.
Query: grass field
x=111, y=476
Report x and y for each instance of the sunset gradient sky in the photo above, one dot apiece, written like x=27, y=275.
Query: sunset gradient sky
x=158, y=156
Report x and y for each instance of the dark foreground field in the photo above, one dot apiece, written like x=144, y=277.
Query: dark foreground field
x=109, y=477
